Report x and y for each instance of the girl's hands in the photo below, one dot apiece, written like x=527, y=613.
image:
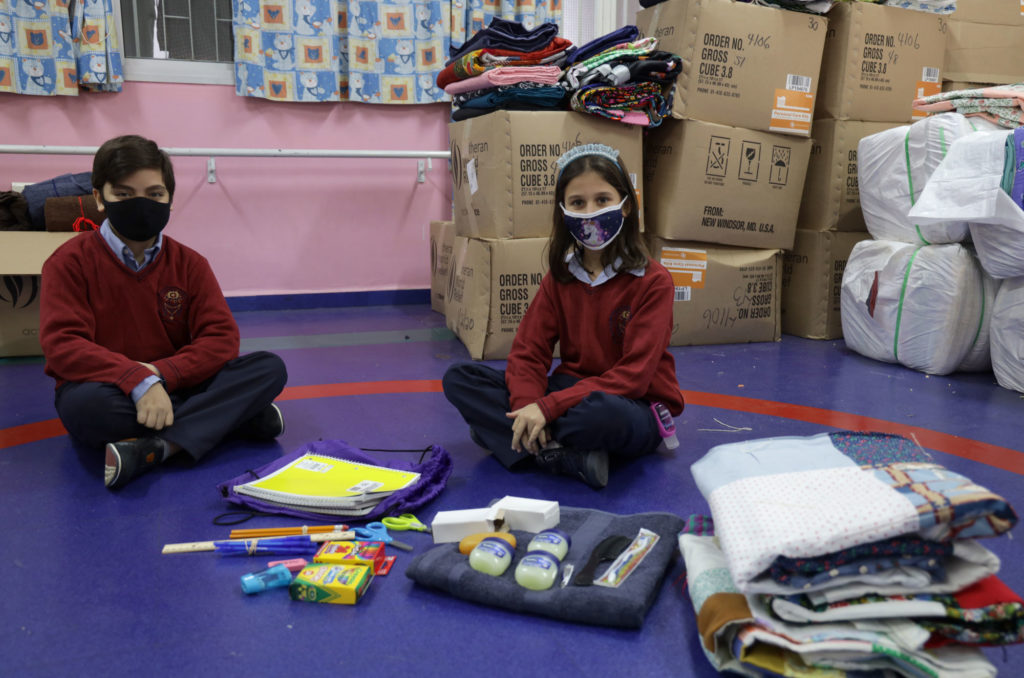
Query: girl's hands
x=529, y=429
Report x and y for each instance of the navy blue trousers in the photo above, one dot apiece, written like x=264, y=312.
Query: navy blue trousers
x=98, y=413
x=621, y=426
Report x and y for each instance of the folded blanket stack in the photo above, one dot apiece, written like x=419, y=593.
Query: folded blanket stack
x=846, y=554
x=1000, y=104
x=506, y=66
x=622, y=77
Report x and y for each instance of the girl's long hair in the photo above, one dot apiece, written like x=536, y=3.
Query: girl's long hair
x=629, y=245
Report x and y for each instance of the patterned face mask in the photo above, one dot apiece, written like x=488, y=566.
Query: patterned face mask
x=596, y=229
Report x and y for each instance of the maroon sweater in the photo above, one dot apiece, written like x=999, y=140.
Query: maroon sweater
x=99, y=320
x=614, y=337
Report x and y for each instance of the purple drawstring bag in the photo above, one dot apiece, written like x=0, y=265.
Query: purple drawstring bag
x=434, y=472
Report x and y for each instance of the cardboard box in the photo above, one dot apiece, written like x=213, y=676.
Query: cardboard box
x=744, y=65
x=831, y=199
x=22, y=254
x=331, y=583
x=724, y=295
x=503, y=167
x=719, y=184
x=442, y=239
x=369, y=553
x=812, y=283
x=1001, y=12
x=978, y=52
x=878, y=59
x=491, y=283
x=954, y=85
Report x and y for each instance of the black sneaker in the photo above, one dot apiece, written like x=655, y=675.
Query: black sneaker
x=130, y=458
x=264, y=427
x=591, y=466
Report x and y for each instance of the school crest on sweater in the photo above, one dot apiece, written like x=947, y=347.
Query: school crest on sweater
x=172, y=302
x=617, y=322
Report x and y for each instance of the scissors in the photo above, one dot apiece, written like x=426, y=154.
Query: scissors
x=376, y=531
x=406, y=521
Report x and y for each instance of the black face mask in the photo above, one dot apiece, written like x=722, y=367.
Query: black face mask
x=138, y=219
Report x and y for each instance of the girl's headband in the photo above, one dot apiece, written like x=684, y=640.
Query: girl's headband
x=587, y=149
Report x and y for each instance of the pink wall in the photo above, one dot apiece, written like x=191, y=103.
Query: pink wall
x=268, y=225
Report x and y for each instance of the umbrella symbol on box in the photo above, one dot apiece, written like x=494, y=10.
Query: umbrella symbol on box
x=779, y=173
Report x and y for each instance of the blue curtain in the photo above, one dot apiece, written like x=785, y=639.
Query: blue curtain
x=49, y=48
x=380, y=51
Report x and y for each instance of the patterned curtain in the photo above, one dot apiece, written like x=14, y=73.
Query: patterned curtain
x=380, y=51
x=51, y=47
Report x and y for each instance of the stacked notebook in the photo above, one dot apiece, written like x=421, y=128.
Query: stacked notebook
x=329, y=485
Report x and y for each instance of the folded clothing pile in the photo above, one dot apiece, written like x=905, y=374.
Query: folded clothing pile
x=823, y=6
x=1000, y=104
x=622, y=77
x=506, y=66
x=928, y=308
x=36, y=194
x=846, y=552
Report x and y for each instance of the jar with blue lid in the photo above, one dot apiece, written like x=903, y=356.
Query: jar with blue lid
x=537, y=570
x=491, y=556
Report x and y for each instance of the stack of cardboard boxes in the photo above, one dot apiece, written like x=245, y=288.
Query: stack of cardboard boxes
x=985, y=44
x=877, y=60
x=503, y=178
x=724, y=177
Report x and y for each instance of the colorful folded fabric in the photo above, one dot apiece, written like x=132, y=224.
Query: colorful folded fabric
x=506, y=75
x=573, y=74
x=641, y=103
x=739, y=634
x=985, y=613
x=476, y=62
x=461, y=99
x=841, y=490
x=1001, y=104
x=619, y=36
x=543, y=96
x=504, y=34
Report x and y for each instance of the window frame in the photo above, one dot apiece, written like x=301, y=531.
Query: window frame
x=173, y=70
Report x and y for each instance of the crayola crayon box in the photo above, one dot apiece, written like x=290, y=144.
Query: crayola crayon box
x=338, y=583
x=369, y=553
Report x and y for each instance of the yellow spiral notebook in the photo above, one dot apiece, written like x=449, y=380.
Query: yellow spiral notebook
x=317, y=480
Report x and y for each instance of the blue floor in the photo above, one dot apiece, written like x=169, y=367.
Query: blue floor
x=86, y=591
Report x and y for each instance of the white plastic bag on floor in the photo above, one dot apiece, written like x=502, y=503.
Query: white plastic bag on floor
x=966, y=186
x=896, y=165
x=1007, y=335
x=979, y=357
x=917, y=306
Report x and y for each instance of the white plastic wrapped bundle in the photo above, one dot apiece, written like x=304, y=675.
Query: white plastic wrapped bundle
x=979, y=357
x=895, y=165
x=966, y=185
x=917, y=306
x=1007, y=335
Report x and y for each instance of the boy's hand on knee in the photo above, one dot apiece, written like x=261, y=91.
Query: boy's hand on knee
x=529, y=428
x=154, y=408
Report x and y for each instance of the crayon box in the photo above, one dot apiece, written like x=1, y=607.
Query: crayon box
x=370, y=553
x=331, y=583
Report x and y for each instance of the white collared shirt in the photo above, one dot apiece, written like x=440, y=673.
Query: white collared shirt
x=121, y=250
x=609, y=272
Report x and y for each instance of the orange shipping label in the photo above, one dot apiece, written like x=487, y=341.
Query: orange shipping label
x=688, y=267
x=925, y=89
x=792, y=112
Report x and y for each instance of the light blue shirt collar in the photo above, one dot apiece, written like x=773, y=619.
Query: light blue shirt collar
x=609, y=272
x=120, y=249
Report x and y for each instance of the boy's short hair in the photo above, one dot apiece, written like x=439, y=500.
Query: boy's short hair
x=122, y=156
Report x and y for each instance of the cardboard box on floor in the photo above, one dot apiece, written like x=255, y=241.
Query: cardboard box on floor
x=878, y=59
x=719, y=184
x=744, y=65
x=977, y=52
x=812, y=281
x=724, y=295
x=491, y=283
x=831, y=199
x=442, y=240
x=1000, y=12
x=22, y=254
x=503, y=167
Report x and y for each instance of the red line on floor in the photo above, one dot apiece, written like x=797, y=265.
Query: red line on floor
x=985, y=453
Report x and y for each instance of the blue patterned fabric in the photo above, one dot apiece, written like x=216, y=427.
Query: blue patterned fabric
x=380, y=51
x=45, y=50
